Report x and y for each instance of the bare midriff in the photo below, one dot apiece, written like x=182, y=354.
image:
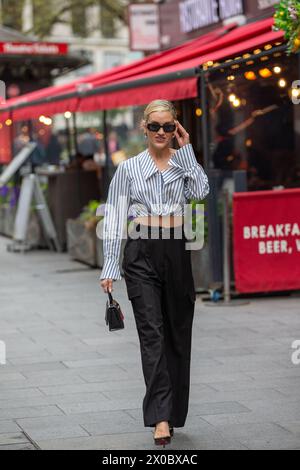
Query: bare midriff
x=160, y=220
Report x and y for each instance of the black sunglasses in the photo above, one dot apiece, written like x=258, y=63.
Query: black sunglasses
x=155, y=127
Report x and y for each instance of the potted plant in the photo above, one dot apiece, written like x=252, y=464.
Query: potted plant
x=81, y=235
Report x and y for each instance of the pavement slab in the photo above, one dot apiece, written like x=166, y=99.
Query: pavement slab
x=69, y=383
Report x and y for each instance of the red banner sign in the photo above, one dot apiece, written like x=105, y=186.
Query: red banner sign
x=266, y=239
x=33, y=48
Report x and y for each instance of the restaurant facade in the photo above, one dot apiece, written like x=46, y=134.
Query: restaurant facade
x=232, y=83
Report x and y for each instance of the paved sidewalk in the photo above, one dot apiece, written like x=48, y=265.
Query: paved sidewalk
x=70, y=384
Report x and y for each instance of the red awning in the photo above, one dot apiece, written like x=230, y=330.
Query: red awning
x=131, y=84
x=124, y=72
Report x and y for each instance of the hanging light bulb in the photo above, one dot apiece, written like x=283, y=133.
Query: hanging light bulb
x=250, y=75
x=265, y=73
x=232, y=97
x=236, y=103
x=282, y=83
x=277, y=69
x=47, y=121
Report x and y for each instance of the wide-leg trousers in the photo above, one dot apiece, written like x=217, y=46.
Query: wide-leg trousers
x=160, y=285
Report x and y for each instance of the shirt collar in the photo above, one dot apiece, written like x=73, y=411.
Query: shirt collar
x=149, y=167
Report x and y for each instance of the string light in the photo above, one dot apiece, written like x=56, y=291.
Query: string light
x=68, y=115
x=8, y=122
x=237, y=103
x=277, y=69
x=265, y=73
x=198, y=112
x=250, y=75
x=47, y=121
x=282, y=83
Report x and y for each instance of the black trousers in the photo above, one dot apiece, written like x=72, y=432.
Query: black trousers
x=160, y=286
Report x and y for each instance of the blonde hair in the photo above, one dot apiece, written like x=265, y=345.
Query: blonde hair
x=159, y=105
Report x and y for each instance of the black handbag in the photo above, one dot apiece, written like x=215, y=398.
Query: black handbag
x=113, y=315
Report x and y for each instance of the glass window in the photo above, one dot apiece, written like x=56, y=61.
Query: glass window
x=253, y=122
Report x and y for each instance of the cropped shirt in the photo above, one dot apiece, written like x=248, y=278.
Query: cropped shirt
x=139, y=188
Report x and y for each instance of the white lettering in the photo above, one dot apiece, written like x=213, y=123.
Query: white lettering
x=262, y=4
x=296, y=96
x=271, y=247
x=31, y=48
x=114, y=460
x=229, y=8
x=270, y=231
x=295, y=230
x=2, y=353
x=195, y=14
x=247, y=233
x=296, y=354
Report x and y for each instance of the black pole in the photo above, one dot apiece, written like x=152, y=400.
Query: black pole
x=106, y=172
x=205, y=120
x=30, y=129
x=75, y=133
x=214, y=220
x=69, y=143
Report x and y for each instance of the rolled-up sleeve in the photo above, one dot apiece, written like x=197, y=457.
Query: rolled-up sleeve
x=196, y=184
x=115, y=217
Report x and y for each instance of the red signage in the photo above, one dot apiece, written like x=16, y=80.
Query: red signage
x=266, y=239
x=33, y=48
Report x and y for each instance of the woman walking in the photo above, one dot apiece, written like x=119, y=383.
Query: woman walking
x=153, y=188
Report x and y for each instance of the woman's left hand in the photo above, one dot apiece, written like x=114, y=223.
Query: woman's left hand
x=183, y=138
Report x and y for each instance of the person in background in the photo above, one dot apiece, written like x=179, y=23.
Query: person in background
x=88, y=145
x=53, y=150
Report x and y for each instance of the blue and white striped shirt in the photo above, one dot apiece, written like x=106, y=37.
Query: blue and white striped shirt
x=139, y=188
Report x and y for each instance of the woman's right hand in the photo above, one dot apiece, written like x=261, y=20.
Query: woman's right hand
x=107, y=285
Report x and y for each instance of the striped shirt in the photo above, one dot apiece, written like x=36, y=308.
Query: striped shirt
x=139, y=188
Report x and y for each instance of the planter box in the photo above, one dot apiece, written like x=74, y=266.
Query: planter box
x=9, y=221
x=81, y=242
x=35, y=237
x=201, y=268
